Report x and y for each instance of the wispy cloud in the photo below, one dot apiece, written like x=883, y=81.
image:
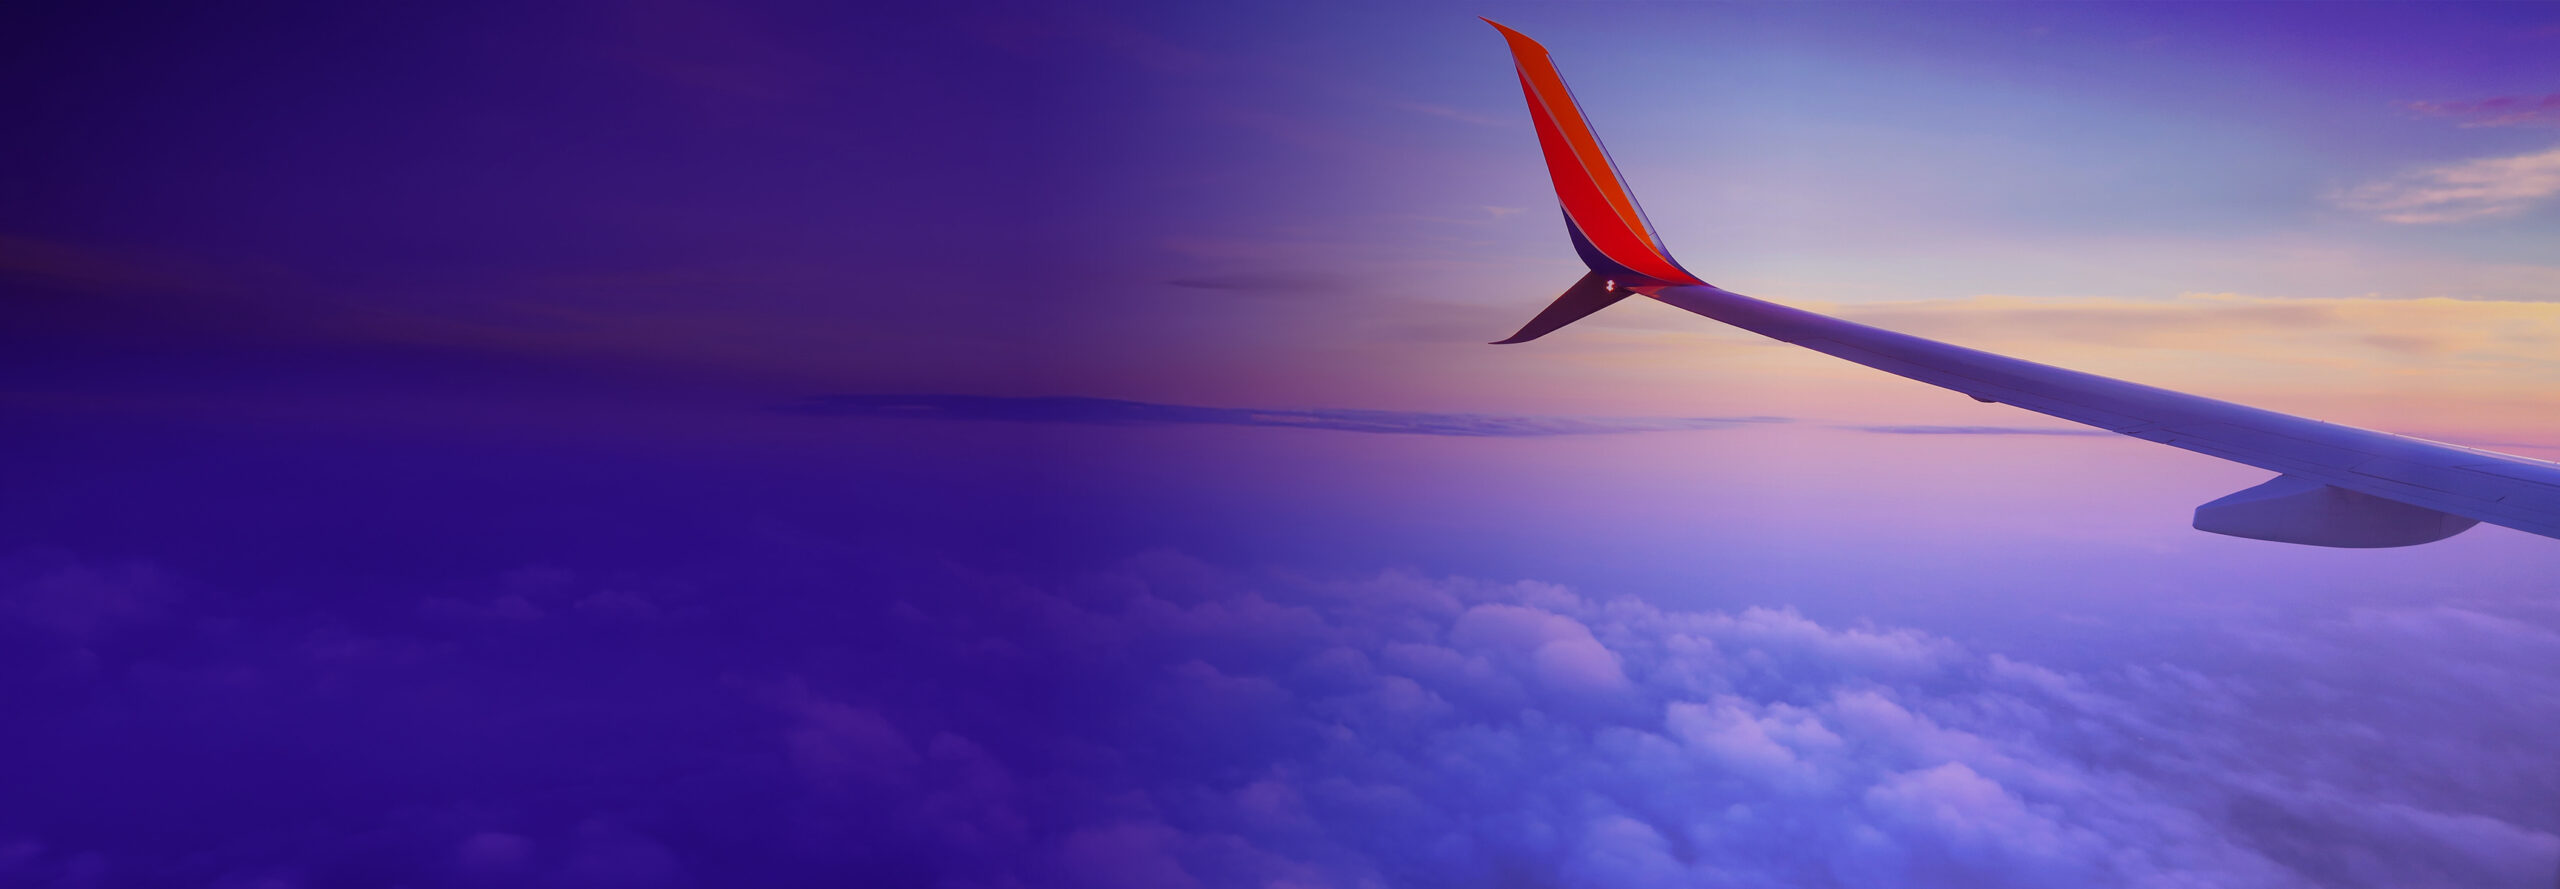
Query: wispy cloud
x=80, y=267
x=717, y=55
x=1977, y=430
x=1272, y=283
x=2474, y=189
x=2502, y=111
x=1117, y=412
x=1448, y=113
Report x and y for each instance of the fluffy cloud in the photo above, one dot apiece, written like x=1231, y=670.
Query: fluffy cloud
x=1454, y=733
x=1167, y=723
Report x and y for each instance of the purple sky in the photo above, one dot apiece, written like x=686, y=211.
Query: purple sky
x=673, y=444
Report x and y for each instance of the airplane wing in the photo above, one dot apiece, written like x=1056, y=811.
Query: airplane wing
x=2335, y=485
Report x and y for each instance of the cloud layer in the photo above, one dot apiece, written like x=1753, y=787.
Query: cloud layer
x=1169, y=723
x=1402, y=731
x=1980, y=430
x=1117, y=412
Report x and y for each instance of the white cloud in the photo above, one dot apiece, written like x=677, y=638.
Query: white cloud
x=1563, y=655
x=1445, y=733
x=2473, y=189
x=1170, y=723
x=1761, y=742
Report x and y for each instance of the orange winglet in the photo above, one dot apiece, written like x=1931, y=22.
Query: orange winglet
x=1595, y=198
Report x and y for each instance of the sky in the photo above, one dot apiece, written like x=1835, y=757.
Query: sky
x=1010, y=445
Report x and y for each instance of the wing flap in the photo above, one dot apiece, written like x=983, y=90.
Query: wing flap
x=2292, y=509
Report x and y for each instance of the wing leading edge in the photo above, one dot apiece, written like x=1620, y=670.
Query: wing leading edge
x=2336, y=485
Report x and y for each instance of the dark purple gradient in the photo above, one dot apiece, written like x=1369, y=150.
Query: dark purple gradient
x=425, y=455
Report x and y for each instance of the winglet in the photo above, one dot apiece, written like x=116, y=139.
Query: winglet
x=1608, y=229
x=1591, y=294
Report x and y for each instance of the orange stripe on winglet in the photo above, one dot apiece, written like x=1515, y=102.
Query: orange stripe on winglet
x=1586, y=182
x=1589, y=206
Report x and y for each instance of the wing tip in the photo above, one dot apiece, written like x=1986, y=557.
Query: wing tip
x=1521, y=44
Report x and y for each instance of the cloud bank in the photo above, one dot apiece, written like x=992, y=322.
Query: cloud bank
x=1169, y=723
x=1117, y=412
x=1979, y=430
